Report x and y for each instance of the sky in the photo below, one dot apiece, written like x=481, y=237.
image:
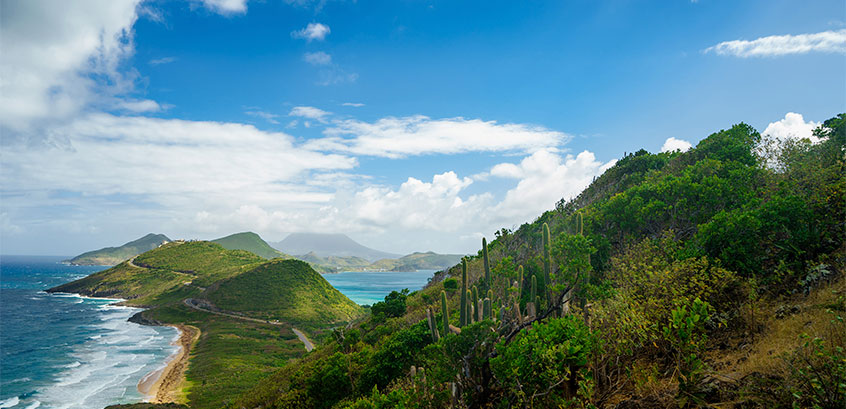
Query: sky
x=409, y=125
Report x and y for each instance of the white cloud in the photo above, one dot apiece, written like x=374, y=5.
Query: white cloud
x=419, y=135
x=141, y=105
x=778, y=45
x=317, y=58
x=310, y=112
x=267, y=116
x=226, y=7
x=792, y=126
x=544, y=178
x=51, y=51
x=673, y=144
x=311, y=32
x=170, y=162
x=335, y=75
x=353, y=104
x=163, y=60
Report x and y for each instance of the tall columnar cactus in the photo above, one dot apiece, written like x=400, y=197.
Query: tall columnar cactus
x=581, y=224
x=534, y=289
x=445, y=312
x=433, y=326
x=488, y=279
x=463, y=314
x=547, y=262
x=475, y=298
x=489, y=305
x=468, y=305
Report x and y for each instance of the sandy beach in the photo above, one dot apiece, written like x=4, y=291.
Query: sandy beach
x=163, y=385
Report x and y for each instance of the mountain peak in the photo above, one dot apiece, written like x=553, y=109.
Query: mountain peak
x=329, y=244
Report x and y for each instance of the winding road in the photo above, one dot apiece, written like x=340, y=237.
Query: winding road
x=189, y=302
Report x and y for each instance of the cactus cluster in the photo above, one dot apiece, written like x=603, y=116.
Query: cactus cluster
x=444, y=312
x=463, y=308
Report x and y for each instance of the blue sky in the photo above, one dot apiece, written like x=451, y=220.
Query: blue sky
x=409, y=125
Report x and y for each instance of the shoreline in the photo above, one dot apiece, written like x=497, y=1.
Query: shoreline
x=165, y=384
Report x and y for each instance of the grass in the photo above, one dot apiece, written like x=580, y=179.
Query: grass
x=286, y=290
x=231, y=355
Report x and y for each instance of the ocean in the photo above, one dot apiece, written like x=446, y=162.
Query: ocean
x=369, y=287
x=72, y=352
x=67, y=351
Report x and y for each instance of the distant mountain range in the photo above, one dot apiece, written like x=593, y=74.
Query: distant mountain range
x=110, y=256
x=326, y=253
x=326, y=245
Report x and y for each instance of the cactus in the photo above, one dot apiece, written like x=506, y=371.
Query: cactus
x=445, y=312
x=487, y=309
x=581, y=224
x=463, y=314
x=547, y=262
x=475, y=299
x=534, y=292
x=520, y=288
x=433, y=327
x=480, y=309
x=488, y=279
x=468, y=306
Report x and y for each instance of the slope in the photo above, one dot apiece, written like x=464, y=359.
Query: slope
x=286, y=290
x=251, y=242
x=175, y=267
x=328, y=245
x=110, y=256
x=675, y=280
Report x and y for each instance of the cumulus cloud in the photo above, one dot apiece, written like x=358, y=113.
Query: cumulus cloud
x=312, y=32
x=170, y=161
x=544, y=178
x=674, y=144
x=792, y=126
x=779, y=45
x=310, y=113
x=226, y=7
x=420, y=135
x=51, y=52
x=317, y=58
x=141, y=105
x=353, y=104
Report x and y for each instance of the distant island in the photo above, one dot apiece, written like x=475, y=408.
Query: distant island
x=110, y=256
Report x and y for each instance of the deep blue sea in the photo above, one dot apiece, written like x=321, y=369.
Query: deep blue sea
x=66, y=351
x=369, y=287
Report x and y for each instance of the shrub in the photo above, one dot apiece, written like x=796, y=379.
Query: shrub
x=393, y=306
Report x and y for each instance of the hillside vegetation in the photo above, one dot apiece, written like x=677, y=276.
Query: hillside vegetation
x=286, y=290
x=709, y=278
x=251, y=242
x=110, y=256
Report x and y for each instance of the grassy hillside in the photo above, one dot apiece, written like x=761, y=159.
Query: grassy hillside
x=286, y=290
x=111, y=256
x=251, y=242
x=710, y=278
x=164, y=273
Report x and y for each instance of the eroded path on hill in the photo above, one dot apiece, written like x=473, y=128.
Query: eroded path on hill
x=191, y=303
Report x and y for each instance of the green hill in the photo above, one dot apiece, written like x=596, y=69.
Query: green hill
x=418, y=261
x=186, y=267
x=286, y=290
x=251, y=242
x=110, y=256
x=709, y=278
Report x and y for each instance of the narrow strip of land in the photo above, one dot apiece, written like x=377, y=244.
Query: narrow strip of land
x=189, y=302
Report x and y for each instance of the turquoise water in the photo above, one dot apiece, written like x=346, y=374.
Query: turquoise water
x=67, y=351
x=369, y=287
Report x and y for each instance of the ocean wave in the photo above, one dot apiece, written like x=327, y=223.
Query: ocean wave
x=11, y=402
x=33, y=405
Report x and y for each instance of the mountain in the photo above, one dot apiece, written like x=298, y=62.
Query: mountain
x=418, y=261
x=110, y=256
x=328, y=245
x=251, y=242
x=286, y=290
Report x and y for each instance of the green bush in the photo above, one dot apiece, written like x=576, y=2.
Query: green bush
x=543, y=366
x=393, y=306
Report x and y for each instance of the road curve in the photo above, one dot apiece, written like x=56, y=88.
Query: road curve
x=306, y=342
